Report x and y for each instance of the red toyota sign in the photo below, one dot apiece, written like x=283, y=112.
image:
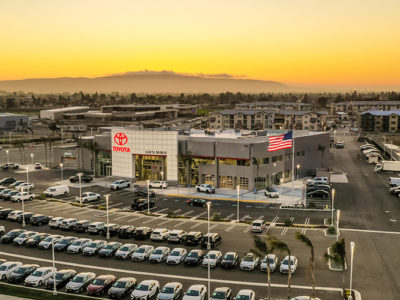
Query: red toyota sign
x=120, y=138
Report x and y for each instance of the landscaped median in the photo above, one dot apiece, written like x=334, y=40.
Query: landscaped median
x=35, y=293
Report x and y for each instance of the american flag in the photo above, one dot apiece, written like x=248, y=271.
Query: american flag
x=279, y=142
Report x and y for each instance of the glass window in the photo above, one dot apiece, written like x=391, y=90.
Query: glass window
x=266, y=161
x=244, y=183
x=243, y=162
x=226, y=181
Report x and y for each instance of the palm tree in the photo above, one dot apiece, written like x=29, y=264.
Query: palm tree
x=187, y=160
x=303, y=238
x=20, y=145
x=91, y=145
x=283, y=247
x=256, y=162
x=338, y=255
x=44, y=141
x=261, y=249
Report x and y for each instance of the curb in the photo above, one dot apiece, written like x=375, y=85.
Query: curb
x=222, y=199
x=330, y=265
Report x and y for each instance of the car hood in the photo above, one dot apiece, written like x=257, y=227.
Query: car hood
x=93, y=287
x=155, y=256
x=14, y=275
x=74, y=285
x=191, y=297
x=192, y=258
x=105, y=251
x=18, y=240
x=138, y=255
x=121, y=253
x=89, y=250
x=209, y=261
x=137, y=293
x=164, y=296
x=31, y=278
x=247, y=263
x=116, y=290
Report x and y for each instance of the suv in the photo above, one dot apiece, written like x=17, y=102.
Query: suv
x=84, y=178
x=142, y=204
x=5, y=212
x=68, y=224
x=112, y=229
x=82, y=226
x=193, y=238
x=159, y=234
x=96, y=228
x=258, y=226
x=206, y=188
x=158, y=184
x=215, y=239
x=142, y=191
x=56, y=222
x=126, y=231
x=176, y=236
x=142, y=233
x=271, y=192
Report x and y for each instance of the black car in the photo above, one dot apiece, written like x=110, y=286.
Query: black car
x=62, y=278
x=4, y=192
x=84, y=178
x=122, y=287
x=109, y=249
x=142, y=233
x=63, y=243
x=7, y=181
x=27, y=216
x=112, y=228
x=230, y=260
x=194, y=257
x=193, y=238
x=81, y=226
x=39, y=219
x=318, y=194
x=315, y=187
x=5, y=212
x=126, y=232
x=142, y=191
x=20, y=273
x=197, y=202
x=34, y=241
x=142, y=204
x=8, y=195
x=9, y=236
x=215, y=239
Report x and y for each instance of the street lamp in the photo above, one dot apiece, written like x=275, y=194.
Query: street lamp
x=352, y=246
x=162, y=180
x=208, y=247
x=237, y=195
x=23, y=207
x=62, y=175
x=27, y=173
x=333, y=202
x=148, y=196
x=54, y=268
x=298, y=170
x=108, y=227
x=337, y=224
x=7, y=157
x=80, y=188
x=32, y=158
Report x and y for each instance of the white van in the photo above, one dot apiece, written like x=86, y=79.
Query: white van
x=57, y=190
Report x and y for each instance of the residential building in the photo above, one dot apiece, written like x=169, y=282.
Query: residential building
x=380, y=121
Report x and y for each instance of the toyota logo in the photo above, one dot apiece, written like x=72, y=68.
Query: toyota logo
x=120, y=138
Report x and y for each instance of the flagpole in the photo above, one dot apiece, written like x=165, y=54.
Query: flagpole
x=292, y=162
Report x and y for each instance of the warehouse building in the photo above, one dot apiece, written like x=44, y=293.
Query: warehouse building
x=10, y=121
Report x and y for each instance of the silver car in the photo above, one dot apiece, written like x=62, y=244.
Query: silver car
x=39, y=276
x=125, y=251
x=23, y=237
x=170, y=291
x=145, y=290
x=221, y=293
x=93, y=247
x=78, y=245
x=196, y=292
x=176, y=256
x=7, y=268
x=273, y=263
x=46, y=243
x=142, y=253
x=249, y=262
x=80, y=282
x=213, y=258
x=159, y=254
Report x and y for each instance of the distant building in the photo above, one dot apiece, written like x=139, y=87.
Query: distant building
x=276, y=105
x=380, y=121
x=10, y=121
x=357, y=107
x=57, y=114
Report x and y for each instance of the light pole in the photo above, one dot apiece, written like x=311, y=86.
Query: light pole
x=108, y=228
x=298, y=170
x=80, y=188
x=384, y=146
x=7, y=157
x=32, y=158
x=352, y=246
x=162, y=180
x=148, y=196
x=54, y=268
x=23, y=207
x=208, y=248
x=237, y=195
x=27, y=173
x=337, y=224
x=333, y=203
x=62, y=175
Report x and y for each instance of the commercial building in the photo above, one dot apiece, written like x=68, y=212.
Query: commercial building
x=380, y=121
x=58, y=114
x=10, y=121
x=222, y=158
x=276, y=105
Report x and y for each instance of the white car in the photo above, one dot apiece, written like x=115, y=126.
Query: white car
x=304, y=298
x=13, y=216
x=158, y=184
x=120, y=184
x=271, y=192
x=213, y=258
x=39, y=276
x=196, y=292
x=170, y=291
x=46, y=243
x=142, y=253
x=159, y=234
x=25, y=196
x=176, y=256
x=249, y=262
x=206, y=188
x=26, y=186
x=7, y=268
x=145, y=290
x=88, y=197
x=175, y=236
x=159, y=254
x=56, y=222
x=285, y=265
x=78, y=245
x=125, y=251
x=246, y=295
x=257, y=226
x=273, y=263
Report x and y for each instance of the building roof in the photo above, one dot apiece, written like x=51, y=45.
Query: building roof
x=66, y=109
x=373, y=102
x=273, y=103
x=293, y=112
x=381, y=112
x=247, y=112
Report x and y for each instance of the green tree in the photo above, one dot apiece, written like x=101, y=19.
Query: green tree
x=21, y=147
x=261, y=249
x=311, y=265
x=338, y=256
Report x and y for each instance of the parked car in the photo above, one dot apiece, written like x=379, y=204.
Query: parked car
x=159, y=254
x=122, y=287
x=221, y=293
x=272, y=259
x=159, y=234
x=7, y=268
x=196, y=292
x=249, y=262
x=5, y=192
x=23, y=237
x=26, y=186
x=34, y=240
x=120, y=184
x=142, y=191
x=271, y=192
x=62, y=278
x=100, y=285
x=170, y=291
x=5, y=212
x=146, y=289
x=315, y=187
x=112, y=229
x=7, y=181
x=57, y=190
x=82, y=226
x=215, y=240
x=96, y=228
x=8, y=166
x=257, y=226
x=125, y=251
x=64, y=243
x=38, y=166
x=15, y=184
x=19, y=274
x=206, y=188
x=79, y=282
x=12, y=216
x=84, y=178
x=24, y=216
x=212, y=258
x=11, y=235
x=230, y=260
x=8, y=196
x=142, y=233
x=193, y=238
x=318, y=194
x=284, y=268
x=68, y=224
x=47, y=242
x=54, y=223
x=126, y=231
x=142, y=253
x=88, y=197
x=39, y=219
x=39, y=276
x=197, y=202
x=142, y=204
x=109, y=249
x=93, y=247
x=158, y=184
x=246, y=295
x=78, y=245
x=194, y=257
x=339, y=144
x=176, y=236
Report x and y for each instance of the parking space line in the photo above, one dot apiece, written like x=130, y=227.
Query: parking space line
x=148, y=221
x=196, y=225
x=198, y=216
x=214, y=226
x=115, y=205
x=284, y=231
x=61, y=207
x=71, y=210
x=176, y=211
x=235, y=224
x=161, y=210
x=187, y=213
x=164, y=222
x=229, y=216
x=84, y=211
x=272, y=224
x=247, y=229
x=121, y=217
x=306, y=222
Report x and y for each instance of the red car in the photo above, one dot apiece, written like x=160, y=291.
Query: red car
x=100, y=285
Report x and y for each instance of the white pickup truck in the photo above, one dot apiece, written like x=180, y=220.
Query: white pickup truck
x=120, y=184
x=205, y=188
x=22, y=196
x=87, y=197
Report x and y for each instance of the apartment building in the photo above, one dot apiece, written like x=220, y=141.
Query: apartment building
x=276, y=105
x=380, y=121
x=357, y=107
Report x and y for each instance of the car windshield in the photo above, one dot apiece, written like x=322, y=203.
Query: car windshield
x=248, y=258
x=193, y=254
x=49, y=239
x=59, y=276
x=140, y=250
x=175, y=253
x=242, y=297
x=108, y=247
x=92, y=245
x=218, y=295
x=37, y=273
x=63, y=241
x=257, y=224
x=78, y=279
x=286, y=262
x=3, y=267
x=211, y=256
x=98, y=281
x=270, y=260
x=142, y=287
x=20, y=270
x=125, y=248
x=158, y=251
x=120, y=284
x=229, y=257
x=192, y=293
x=167, y=290
x=23, y=235
x=77, y=243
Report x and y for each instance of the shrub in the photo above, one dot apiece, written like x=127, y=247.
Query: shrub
x=332, y=230
x=171, y=214
x=41, y=196
x=312, y=205
x=216, y=217
x=288, y=223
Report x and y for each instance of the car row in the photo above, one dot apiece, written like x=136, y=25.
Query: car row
x=318, y=187
x=96, y=285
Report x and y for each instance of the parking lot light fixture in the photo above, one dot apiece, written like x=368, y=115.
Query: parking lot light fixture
x=148, y=196
x=332, y=204
x=54, y=268
x=298, y=170
x=7, y=157
x=27, y=173
x=80, y=188
x=337, y=224
x=352, y=246
x=62, y=175
x=23, y=208
x=208, y=247
x=108, y=228
x=32, y=158
x=237, y=195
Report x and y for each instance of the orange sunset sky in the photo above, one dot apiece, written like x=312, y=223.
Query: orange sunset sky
x=301, y=42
